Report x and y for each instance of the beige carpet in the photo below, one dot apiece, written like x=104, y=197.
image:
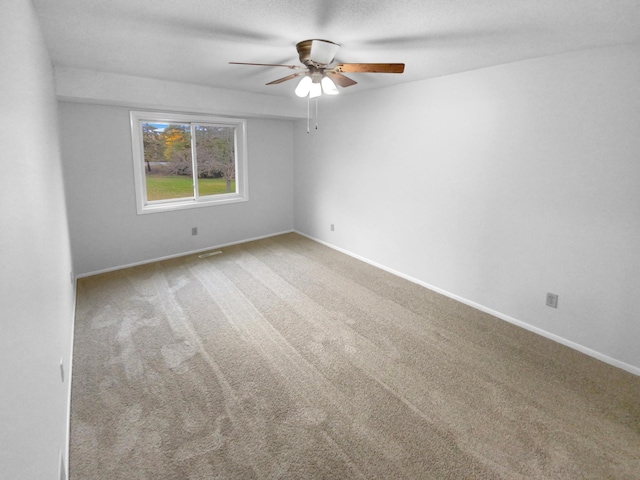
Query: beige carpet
x=284, y=359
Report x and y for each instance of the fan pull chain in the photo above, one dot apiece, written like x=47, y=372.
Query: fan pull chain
x=308, y=101
x=309, y=114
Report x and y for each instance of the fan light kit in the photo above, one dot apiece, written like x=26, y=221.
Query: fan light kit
x=318, y=76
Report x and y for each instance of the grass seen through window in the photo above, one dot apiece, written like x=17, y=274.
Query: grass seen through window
x=163, y=187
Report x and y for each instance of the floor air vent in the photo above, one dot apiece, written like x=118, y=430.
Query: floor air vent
x=210, y=254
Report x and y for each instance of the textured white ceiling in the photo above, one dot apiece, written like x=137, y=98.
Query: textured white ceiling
x=193, y=40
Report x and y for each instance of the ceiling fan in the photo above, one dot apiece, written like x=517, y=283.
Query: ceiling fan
x=317, y=75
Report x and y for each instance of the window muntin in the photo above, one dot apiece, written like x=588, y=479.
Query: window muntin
x=186, y=161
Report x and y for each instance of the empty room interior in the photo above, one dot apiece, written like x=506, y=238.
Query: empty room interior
x=423, y=260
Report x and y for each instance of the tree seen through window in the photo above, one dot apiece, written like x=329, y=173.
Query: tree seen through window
x=170, y=160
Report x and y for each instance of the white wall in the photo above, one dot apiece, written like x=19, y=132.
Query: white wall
x=496, y=186
x=106, y=232
x=36, y=292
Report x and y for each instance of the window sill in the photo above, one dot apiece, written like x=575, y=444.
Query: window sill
x=189, y=203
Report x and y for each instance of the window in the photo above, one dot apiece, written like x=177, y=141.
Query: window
x=185, y=161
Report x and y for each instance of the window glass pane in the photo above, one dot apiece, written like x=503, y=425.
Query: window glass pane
x=216, y=159
x=167, y=160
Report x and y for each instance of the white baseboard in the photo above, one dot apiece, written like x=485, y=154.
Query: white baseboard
x=551, y=336
x=182, y=254
x=64, y=451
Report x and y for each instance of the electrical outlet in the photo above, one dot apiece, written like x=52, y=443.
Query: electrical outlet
x=332, y=228
x=552, y=300
x=194, y=231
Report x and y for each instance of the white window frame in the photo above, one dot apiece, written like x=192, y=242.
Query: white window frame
x=144, y=206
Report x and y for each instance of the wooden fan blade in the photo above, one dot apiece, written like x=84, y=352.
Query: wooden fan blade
x=284, y=79
x=370, y=67
x=296, y=67
x=340, y=79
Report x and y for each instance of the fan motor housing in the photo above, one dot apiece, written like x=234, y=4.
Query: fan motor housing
x=304, y=50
